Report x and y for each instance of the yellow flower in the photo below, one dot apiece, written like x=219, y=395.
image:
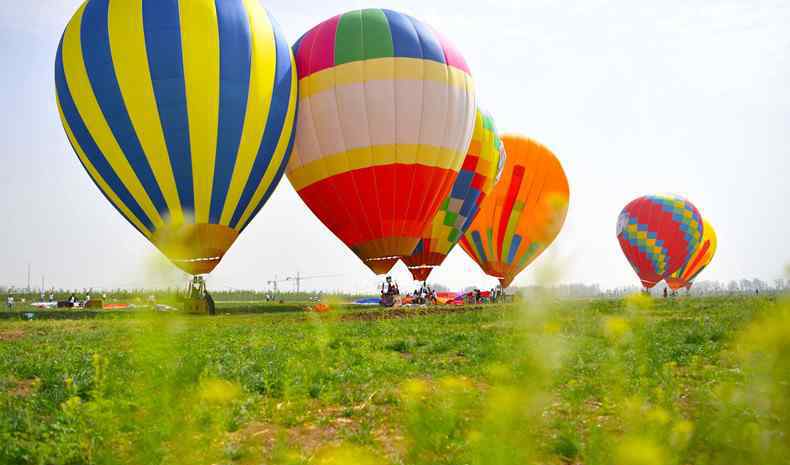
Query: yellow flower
x=638, y=301
x=615, y=328
x=658, y=415
x=551, y=328
x=505, y=402
x=639, y=451
x=219, y=391
x=499, y=372
x=681, y=433
x=454, y=384
x=413, y=389
x=345, y=455
x=71, y=406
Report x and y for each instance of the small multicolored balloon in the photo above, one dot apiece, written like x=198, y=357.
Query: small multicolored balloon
x=658, y=235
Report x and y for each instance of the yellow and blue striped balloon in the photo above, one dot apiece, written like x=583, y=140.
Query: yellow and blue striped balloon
x=182, y=112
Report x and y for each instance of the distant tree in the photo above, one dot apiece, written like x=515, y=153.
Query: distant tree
x=746, y=285
x=733, y=286
x=439, y=287
x=779, y=284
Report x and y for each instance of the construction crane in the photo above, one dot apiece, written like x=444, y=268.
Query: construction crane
x=297, y=280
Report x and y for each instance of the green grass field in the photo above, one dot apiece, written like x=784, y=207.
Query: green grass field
x=620, y=382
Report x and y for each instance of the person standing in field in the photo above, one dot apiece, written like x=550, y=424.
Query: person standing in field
x=10, y=302
x=389, y=288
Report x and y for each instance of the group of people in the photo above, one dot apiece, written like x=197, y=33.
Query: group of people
x=389, y=287
x=73, y=300
x=494, y=295
x=424, y=295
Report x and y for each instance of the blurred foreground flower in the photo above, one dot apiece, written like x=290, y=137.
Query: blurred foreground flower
x=219, y=391
x=345, y=455
x=616, y=328
x=764, y=350
x=640, y=451
x=681, y=434
x=413, y=390
x=638, y=301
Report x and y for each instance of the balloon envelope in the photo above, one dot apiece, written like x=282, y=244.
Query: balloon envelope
x=523, y=214
x=481, y=169
x=182, y=113
x=658, y=234
x=386, y=112
x=699, y=260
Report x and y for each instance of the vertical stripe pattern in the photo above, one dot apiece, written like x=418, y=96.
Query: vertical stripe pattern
x=523, y=214
x=479, y=172
x=698, y=261
x=182, y=112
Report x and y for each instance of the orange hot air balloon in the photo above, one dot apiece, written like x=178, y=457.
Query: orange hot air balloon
x=386, y=112
x=482, y=167
x=523, y=214
x=699, y=260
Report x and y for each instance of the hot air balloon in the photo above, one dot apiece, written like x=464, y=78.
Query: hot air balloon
x=480, y=171
x=522, y=215
x=700, y=258
x=658, y=234
x=182, y=112
x=386, y=113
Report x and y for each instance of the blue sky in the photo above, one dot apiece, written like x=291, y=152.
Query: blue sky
x=686, y=97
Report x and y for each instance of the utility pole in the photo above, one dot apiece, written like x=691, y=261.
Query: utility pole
x=297, y=280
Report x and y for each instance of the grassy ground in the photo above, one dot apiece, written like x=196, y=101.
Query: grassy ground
x=618, y=382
